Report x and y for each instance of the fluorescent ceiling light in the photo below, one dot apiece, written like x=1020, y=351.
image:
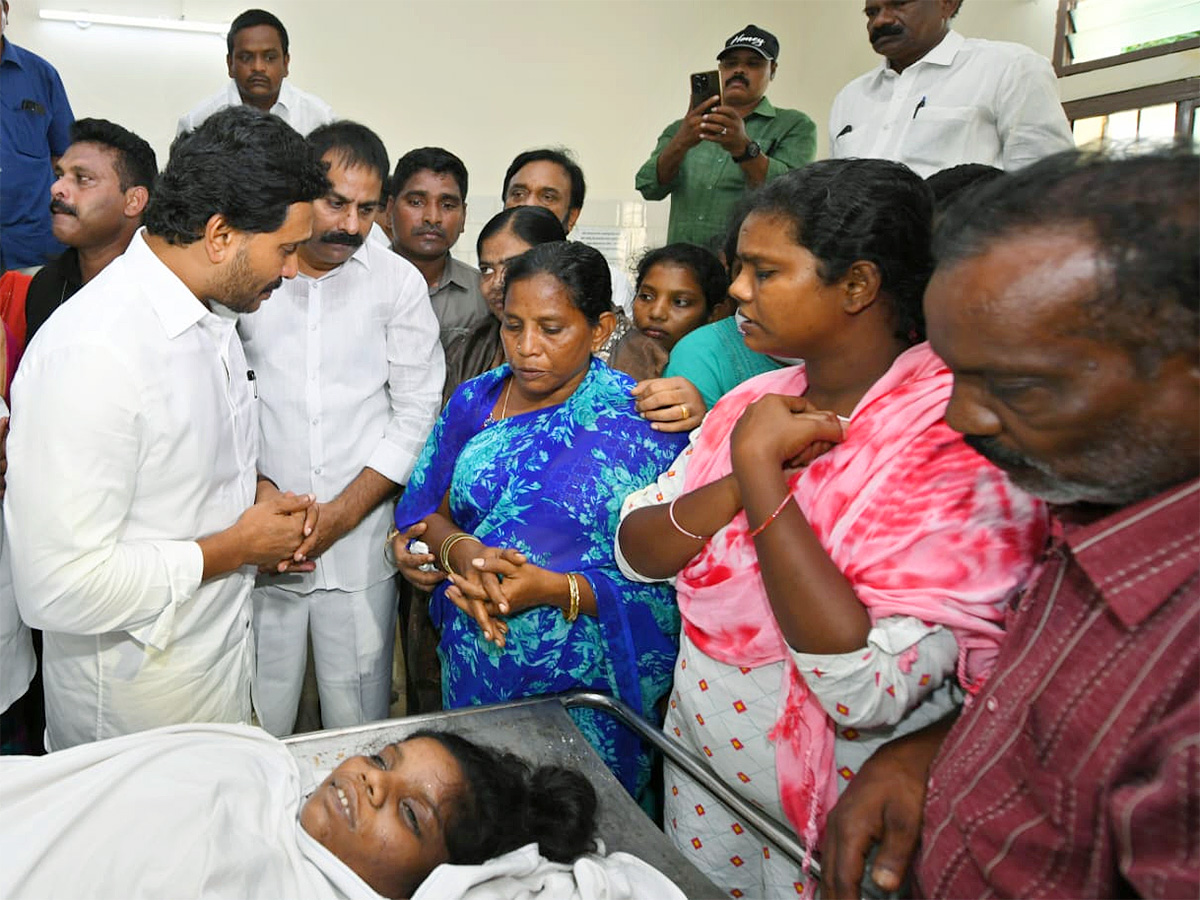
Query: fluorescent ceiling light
x=84, y=19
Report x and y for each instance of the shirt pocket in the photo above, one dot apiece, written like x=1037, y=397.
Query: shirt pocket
x=24, y=130
x=941, y=133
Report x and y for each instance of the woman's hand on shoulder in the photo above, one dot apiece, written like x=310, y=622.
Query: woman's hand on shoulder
x=784, y=431
x=669, y=404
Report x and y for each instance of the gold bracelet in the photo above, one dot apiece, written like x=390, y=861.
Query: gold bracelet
x=573, y=585
x=392, y=532
x=448, y=545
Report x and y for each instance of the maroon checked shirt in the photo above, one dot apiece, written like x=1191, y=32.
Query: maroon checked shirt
x=1076, y=770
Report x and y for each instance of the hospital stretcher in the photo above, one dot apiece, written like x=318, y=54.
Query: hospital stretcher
x=541, y=731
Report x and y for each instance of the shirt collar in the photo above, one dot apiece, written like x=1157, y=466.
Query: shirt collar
x=941, y=55
x=360, y=257
x=764, y=108
x=455, y=273
x=177, y=308
x=1130, y=557
x=12, y=54
x=285, y=100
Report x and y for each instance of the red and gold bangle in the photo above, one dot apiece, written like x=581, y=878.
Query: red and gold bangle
x=772, y=517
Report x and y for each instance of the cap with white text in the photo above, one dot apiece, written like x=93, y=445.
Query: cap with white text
x=753, y=38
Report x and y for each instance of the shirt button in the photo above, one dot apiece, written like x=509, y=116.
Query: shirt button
x=312, y=327
x=315, y=421
x=317, y=470
x=990, y=704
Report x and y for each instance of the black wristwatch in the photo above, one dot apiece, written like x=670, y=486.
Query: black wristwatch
x=752, y=151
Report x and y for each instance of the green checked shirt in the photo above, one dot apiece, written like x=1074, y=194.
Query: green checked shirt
x=709, y=183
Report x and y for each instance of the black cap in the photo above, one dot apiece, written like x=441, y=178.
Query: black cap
x=753, y=38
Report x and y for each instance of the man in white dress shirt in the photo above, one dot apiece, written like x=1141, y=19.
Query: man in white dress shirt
x=258, y=60
x=134, y=519
x=939, y=100
x=349, y=373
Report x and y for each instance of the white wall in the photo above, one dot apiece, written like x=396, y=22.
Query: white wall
x=489, y=78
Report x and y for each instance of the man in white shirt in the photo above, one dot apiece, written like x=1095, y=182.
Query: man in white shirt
x=258, y=60
x=551, y=178
x=134, y=517
x=349, y=373
x=939, y=100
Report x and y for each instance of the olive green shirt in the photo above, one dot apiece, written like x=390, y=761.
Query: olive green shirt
x=709, y=183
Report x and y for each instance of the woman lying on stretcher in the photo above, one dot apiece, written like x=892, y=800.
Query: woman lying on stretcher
x=221, y=811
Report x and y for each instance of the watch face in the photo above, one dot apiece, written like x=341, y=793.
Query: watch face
x=753, y=149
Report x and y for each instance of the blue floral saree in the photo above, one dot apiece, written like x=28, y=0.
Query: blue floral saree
x=550, y=483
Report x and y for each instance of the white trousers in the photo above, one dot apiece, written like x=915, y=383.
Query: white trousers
x=353, y=634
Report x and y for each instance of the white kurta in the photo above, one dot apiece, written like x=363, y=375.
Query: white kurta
x=965, y=101
x=17, y=663
x=349, y=373
x=134, y=433
x=184, y=811
x=300, y=109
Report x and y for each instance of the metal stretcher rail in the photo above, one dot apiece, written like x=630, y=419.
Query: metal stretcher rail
x=770, y=828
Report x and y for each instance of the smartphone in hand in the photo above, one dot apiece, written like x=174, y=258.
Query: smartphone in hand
x=705, y=85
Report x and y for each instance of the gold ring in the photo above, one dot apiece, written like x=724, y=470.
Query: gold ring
x=683, y=409
x=724, y=131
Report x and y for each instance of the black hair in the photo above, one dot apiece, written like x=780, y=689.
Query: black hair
x=249, y=19
x=561, y=157
x=1140, y=213
x=949, y=184
x=532, y=224
x=506, y=804
x=436, y=160
x=703, y=264
x=581, y=269
x=137, y=166
x=247, y=165
x=848, y=210
x=354, y=144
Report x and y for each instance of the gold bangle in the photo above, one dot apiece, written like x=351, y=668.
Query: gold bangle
x=448, y=545
x=573, y=586
x=391, y=535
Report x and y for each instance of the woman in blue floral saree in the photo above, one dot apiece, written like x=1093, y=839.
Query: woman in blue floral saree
x=519, y=489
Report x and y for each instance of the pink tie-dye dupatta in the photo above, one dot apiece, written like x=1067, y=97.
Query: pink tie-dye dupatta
x=918, y=523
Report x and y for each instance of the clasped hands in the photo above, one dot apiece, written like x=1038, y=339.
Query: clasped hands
x=784, y=431
x=495, y=582
x=289, y=530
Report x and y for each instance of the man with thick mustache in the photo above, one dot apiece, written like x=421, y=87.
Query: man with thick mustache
x=1065, y=303
x=257, y=60
x=349, y=375
x=722, y=148
x=96, y=204
x=429, y=211
x=134, y=517
x=939, y=100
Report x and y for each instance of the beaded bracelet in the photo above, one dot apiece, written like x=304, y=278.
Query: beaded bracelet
x=573, y=586
x=448, y=545
x=771, y=518
x=678, y=527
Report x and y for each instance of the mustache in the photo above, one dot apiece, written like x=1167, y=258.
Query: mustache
x=57, y=206
x=742, y=78
x=429, y=229
x=273, y=286
x=342, y=237
x=995, y=452
x=886, y=31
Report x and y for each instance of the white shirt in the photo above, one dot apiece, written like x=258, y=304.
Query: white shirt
x=965, y=101
x=622, y=289
x=349, y=373
x=17, y=662
x=134, y=434
x=185, y=811
x=300, y=109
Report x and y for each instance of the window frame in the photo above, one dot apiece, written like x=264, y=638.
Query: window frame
x=1063, y=65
